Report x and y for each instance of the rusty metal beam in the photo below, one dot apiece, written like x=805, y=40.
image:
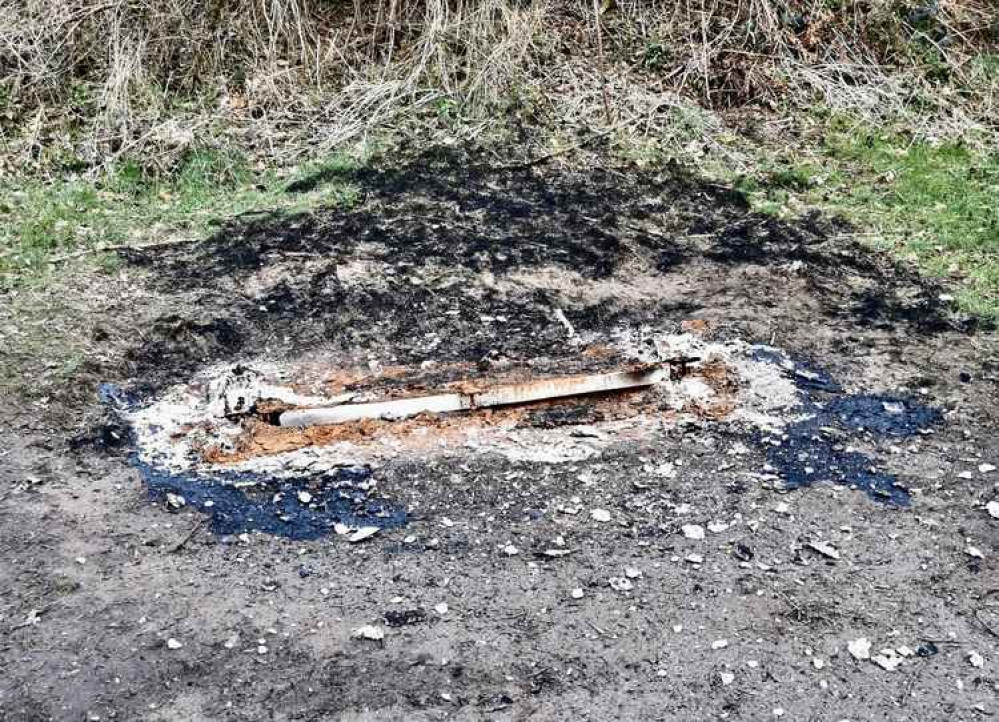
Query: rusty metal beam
x=502, y=395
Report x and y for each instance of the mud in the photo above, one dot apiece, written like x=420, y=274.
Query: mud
x=445, y=269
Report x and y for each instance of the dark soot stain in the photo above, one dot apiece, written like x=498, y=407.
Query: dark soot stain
x=272, y=505
x=813, y=451
x=264, y=503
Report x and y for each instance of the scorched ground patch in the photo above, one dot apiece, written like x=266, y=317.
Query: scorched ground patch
x=651, y=571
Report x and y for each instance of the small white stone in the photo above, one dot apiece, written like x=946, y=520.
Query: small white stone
x=262, y=649
x=778, y=711
x=717, y=527
x=620, y=584
x=727, y=678
x=600, y=515
x=174, y=643
x=974, y=552
x=633, y=573
x=782, y=507
x=694, y=558
x=965, y=475
x=887, y=660
x=825, y=549
x=818, y=663
x=441, y=608
x=975, y=659
x=365, y=532
x=577, y=593
x=719, y=644
x=677, y=628
x=860, y=648
x=693, y=531
x=370, y=632
x=305, y=497
x=986, y=468
x=993, y=509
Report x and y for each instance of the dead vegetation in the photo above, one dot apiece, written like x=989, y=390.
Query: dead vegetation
x=155, y=75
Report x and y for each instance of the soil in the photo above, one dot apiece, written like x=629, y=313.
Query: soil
x=445, y=267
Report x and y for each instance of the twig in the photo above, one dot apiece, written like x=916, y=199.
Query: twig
x=522, y=165
x=189, y=536
x=603, y=60
x=121, y=247
x=978, y=612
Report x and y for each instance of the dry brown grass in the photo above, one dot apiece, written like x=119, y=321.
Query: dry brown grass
x=130, y=70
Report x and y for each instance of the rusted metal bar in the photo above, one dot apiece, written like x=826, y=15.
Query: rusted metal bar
x=503, y=395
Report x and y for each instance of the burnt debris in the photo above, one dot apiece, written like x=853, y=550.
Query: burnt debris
x=817, y=448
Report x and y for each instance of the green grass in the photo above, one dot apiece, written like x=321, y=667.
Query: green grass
x=40, y=222
x=935, y=204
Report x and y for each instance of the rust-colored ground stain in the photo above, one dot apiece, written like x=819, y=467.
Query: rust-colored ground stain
x=697, y=326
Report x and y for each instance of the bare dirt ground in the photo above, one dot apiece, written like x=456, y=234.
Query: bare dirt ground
x=113, y=606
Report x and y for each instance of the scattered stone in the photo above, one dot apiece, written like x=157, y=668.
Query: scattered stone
x=782, y=507
x=927, y=650
x=818, y=663
x=441, y=608
x=975, y=659
x=677, y=628
x=620, y=584
x=965, y=475
x=369, y=632
x=860, y=648
x=825, y=549
x=986, y=468
x=174, y=643
x=305, y=497
x=693, y=531
x=887, y=659
x=365, y=532
x=232, y=641
x=633, y=573
x=262, y=649
x=993, y=509
x=727, y=678
x=600, y=515
x=717, y=527
x=556, y=553
x=510, y=550
x=577, y=593
x=404, y=617
x=694, y=558
x=719, y=644
x=974, y=552
x=176, y=501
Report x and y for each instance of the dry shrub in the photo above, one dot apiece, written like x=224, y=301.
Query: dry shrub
x=124, y=68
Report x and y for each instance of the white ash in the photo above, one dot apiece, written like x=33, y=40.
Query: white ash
x=172, y=431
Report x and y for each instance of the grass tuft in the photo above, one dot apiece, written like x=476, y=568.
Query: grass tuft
x=936, y=204
x=41, y=221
